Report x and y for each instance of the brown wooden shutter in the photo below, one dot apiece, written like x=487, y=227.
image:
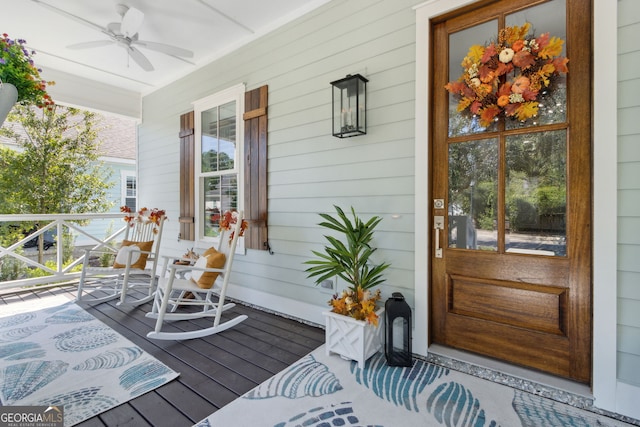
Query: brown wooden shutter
x=187, y=187
x=255, y=172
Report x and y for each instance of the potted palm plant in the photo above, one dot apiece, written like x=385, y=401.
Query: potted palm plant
x=352, y=325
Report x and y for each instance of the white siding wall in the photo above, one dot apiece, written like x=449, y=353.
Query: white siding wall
x=628, y=192
x=308, y=169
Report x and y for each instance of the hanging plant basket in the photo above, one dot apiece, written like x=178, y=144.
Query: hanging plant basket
x=353, y=339
x=8, y=98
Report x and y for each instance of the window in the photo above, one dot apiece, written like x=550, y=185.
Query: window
x=129, y=191
x=218, y=167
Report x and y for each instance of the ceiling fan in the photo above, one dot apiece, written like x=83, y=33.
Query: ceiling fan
x=125, y=34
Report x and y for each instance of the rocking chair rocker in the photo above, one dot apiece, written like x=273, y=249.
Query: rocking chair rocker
x=174, y=288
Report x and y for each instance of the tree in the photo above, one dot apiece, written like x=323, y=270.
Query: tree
x=56, y=168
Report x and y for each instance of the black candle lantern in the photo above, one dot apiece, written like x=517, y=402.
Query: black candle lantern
x=349, y=106
x=397, y=341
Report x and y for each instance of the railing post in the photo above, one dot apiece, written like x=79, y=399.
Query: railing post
x=59, y=248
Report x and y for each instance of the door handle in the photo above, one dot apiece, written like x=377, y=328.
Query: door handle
x=438, y=224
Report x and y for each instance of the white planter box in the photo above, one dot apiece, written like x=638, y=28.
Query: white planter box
x=353, y=339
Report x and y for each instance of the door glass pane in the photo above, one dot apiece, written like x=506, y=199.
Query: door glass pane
x=549, y=18
x=465, y=123
x=473, y=195
x=220, y=195
x=536, y=193
x=219, y=137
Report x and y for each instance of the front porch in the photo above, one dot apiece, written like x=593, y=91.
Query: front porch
x=213, y=371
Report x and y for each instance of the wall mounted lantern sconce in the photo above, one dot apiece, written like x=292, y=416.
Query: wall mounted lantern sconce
x=349, y=106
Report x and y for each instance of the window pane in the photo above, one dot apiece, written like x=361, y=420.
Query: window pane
x=546, y=18
x=227, y=139
x=210, y=140
x=473, y=189
x=219, y=138
x=464, y=123
x=220, y=195
x=536, y=193
x=131, y=190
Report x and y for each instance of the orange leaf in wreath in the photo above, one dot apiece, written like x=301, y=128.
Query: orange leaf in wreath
x=503, y=68
x=513, y=34
x=505, y=89
x=553, y=48
x=486, y=74
x=475, y=107
x=455, y=87
x=561, y=64
x=488, y=53
x=510, y=109
x=543, y=40
x=530, y=95
x=523, y=59
x=488, y=113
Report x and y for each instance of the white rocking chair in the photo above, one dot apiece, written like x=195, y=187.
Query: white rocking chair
x=173, y=287
x=130, y=269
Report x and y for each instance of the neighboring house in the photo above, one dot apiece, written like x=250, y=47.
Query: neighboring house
x=388, y=172
x=118, y=152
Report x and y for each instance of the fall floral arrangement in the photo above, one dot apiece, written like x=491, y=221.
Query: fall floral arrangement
x=144, y=215
x=358, y=303
x=231, y=217
x=17, y=67
x=350, y=258
x=506, y=76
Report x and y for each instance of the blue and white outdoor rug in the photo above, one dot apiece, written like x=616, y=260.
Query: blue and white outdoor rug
x=327, y=391
x=63, y=356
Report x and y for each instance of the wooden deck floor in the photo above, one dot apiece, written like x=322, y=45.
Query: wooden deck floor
x=213, y=371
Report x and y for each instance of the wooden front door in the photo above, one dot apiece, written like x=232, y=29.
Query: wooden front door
x=511, y=195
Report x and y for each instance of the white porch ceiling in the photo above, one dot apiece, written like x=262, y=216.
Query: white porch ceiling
x=209, y=28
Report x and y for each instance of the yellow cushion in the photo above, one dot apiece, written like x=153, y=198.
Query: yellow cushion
x=210, y=259
x=138, y=258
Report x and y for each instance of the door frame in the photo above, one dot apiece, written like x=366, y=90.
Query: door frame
x=604, y=383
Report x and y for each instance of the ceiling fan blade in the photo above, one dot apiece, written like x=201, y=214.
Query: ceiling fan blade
x=131, y=22
x=140, y=59
x=87, y=45
x=74, y=17
x=164, y=48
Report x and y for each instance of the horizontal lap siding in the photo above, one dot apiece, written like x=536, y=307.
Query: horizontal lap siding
x=308, y=169
x=628, y=232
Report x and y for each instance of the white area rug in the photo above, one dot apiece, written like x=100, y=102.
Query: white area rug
x=61, y=355
x=327, y=391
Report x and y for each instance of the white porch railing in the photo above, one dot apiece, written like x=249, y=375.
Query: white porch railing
x=92, y=234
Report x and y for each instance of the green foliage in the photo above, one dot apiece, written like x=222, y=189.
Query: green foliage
x=57, y=169
x=17, y=68
x=349, y=260
x=10, y=267
x=38, y=272
x=107, y=258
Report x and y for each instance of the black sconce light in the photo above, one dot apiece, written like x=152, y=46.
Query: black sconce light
x=397, y=341
x=349, y=106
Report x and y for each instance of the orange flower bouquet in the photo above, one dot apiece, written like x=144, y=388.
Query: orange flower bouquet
x=507, y=76
x=143, y=215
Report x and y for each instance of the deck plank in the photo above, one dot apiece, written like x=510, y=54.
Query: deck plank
x=214, y=370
